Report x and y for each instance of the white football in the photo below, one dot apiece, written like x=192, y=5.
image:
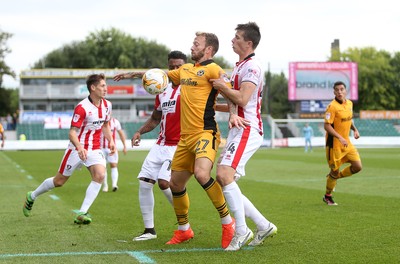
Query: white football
x=155, y=81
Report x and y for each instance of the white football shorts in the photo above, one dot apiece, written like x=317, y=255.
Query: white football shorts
x=110, y=158
x=71, y=161
x=241, y=144
x=157, y=164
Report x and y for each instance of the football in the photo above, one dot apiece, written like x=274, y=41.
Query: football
x=155, y=81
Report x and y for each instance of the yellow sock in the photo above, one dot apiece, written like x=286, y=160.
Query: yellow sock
x=330, y=184
x=346, y=172
x=214, y=192
x=181, y=206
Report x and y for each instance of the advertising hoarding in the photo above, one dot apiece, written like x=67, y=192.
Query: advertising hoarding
x=314, y=80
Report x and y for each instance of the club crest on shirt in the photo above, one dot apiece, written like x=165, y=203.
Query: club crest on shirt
x=328, y=116
x=200, y=73
x=254, y=71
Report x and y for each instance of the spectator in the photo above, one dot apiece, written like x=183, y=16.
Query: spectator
x=9, y=122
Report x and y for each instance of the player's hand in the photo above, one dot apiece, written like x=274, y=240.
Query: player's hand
x=119, y=77
x=124, y=150
x=82, y=153
x=122, y=76
x=356, y=134
x=135, y=141
x=344, y=142
x=220, y=83
x=238, y=122
x=112, y=147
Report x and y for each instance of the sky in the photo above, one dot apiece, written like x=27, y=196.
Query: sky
x=291, y=30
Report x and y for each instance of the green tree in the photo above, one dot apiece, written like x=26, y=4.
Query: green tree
x=107, y=49
x=222, y=62
x=395, y=63
x=275, y=101
x=4, y=50
x=376, y=78
x=8, y=101
x=111, y=48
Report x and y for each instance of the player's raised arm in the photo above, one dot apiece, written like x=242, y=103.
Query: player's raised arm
x=128, y=75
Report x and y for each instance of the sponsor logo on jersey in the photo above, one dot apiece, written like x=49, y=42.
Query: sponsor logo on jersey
x=76, y=118
x=188, y=82
x=169, y=103
x=98, y=122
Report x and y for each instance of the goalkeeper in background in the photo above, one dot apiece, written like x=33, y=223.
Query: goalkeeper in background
x=337, y=123
x=308, y=133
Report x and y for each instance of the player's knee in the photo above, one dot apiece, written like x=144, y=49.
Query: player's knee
x=58, y=184
x=225, y=175
x=163, y=184
x=334, y=174
x=177, y=186
x=98, y=177
x=59, y=181
x=174, y=186
x=201, y=176
x=356, y=168
x=222, y=179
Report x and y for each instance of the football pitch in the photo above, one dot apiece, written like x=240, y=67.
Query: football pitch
x=286, y=185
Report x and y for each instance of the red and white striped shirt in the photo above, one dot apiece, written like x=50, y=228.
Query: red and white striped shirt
x=249, y=70
x=90, y=120
x=169, y=103
x=115, y=126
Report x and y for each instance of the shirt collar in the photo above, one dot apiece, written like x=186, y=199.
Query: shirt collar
x=246, y=59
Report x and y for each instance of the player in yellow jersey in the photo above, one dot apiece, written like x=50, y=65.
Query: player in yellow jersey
x=2, y=133
x=200, y=136
x=339, y=149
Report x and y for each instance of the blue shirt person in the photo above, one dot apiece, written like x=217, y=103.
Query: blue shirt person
x=308, y=133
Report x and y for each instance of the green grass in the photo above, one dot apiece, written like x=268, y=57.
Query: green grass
x=286, y=185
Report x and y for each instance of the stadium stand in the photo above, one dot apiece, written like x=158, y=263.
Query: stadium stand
x=377, y=127
x=367, y=127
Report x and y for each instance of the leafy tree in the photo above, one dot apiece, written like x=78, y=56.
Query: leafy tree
x=395, y=63
x=275, y=97
x=222, y=62
x=376, y=78
x=111, y=49
x=107, y=49
x=8, y=101
x=4, y=50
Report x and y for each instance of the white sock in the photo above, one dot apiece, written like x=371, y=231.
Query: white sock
x=255, y=215
x=105, y=184
x=146, y=201
x=184, y=227
x=45, y=186
x=233, y=197
x=168, y=194
x=114, y=176
x=91, y=193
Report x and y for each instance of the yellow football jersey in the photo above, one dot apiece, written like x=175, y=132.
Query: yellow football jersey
x=198, y=97
x=340, y=116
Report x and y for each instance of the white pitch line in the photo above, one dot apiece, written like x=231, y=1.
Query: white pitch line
x=140, y=256
x=54, y=197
